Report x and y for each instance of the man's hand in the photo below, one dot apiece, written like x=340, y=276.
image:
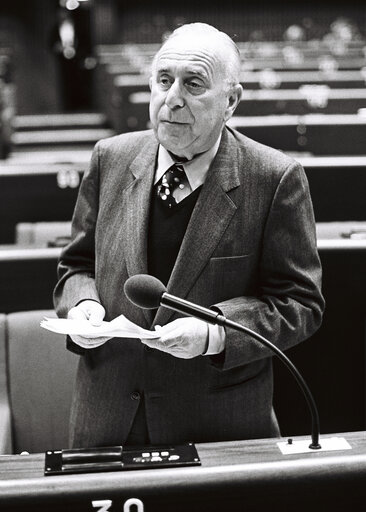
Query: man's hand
x=94, y=312
x=185, y=338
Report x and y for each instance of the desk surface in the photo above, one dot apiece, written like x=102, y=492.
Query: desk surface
x=326, y=242
x=232, y=469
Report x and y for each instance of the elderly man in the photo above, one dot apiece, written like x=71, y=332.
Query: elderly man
x=223, y=221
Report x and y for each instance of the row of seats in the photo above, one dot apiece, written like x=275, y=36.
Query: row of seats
x=127, y=99
x=55, y=132
x=314, y=54
x=316, y=85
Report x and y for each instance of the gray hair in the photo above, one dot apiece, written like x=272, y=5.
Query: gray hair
x=232, y=59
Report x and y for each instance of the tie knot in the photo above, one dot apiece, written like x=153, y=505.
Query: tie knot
x=174, y=175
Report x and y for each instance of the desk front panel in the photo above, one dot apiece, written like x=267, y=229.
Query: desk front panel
x=238, y=476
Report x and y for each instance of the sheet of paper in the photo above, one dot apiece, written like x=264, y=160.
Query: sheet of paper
x=120, y=327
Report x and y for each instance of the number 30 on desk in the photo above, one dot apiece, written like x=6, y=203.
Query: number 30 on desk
x=104, y=505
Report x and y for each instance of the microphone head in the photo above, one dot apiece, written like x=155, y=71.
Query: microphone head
x=144, y=291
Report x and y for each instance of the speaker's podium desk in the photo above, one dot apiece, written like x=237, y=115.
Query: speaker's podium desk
x=234, y=476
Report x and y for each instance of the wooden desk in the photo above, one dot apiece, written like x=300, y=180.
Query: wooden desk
x=319, y=134
x=27, y=278
x=28, y=275
x=73, y=131
x=301, y=101
x=337, y=186
x=37, y=192
x=293, y=79
x=242, y=476
x=44, y=187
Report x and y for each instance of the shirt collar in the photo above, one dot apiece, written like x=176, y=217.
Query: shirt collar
x=196, y=169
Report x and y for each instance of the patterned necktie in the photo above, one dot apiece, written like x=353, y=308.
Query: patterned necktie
x=174, y=178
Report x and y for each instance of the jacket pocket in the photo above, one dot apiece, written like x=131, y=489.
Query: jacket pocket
x=230, y=380
x=231, y=276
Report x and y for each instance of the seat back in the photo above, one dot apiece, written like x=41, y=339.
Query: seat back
x=40, y=375
x=5, y=422
x=43, y=234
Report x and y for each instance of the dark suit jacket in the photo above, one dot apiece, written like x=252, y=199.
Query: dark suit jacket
x=249, y=249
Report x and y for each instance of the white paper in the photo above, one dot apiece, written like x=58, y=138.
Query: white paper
x=120, y=327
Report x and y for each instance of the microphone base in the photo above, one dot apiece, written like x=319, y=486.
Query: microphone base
x=291, y=447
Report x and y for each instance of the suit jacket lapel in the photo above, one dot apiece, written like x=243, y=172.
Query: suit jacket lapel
x=209, y=220
x=137, y=197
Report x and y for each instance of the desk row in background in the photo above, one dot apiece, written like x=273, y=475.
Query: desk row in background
x=127, y=103
x=124, y=98
x=46, y=191
x=297, y=78
x=315, y=54
x=37, y=235
x=28, y=272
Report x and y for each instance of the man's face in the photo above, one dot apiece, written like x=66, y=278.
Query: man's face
x=188, y=96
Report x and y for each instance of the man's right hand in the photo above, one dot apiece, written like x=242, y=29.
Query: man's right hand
x=94, y=312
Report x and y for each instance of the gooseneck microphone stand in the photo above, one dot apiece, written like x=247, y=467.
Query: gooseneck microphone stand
x=299, y=379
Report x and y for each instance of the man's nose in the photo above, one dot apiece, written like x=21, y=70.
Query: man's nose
x=174, y=97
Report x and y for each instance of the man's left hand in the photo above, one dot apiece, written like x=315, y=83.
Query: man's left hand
x=185, y=338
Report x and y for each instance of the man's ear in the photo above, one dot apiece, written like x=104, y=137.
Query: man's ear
x=233, y=99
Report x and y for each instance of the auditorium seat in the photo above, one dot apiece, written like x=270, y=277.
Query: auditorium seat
x=43, y=234
x=5, y=420
x=50, y=131
x=351, y=230
x=36, y=377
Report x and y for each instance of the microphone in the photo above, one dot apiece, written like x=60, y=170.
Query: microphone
x=148, y=292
